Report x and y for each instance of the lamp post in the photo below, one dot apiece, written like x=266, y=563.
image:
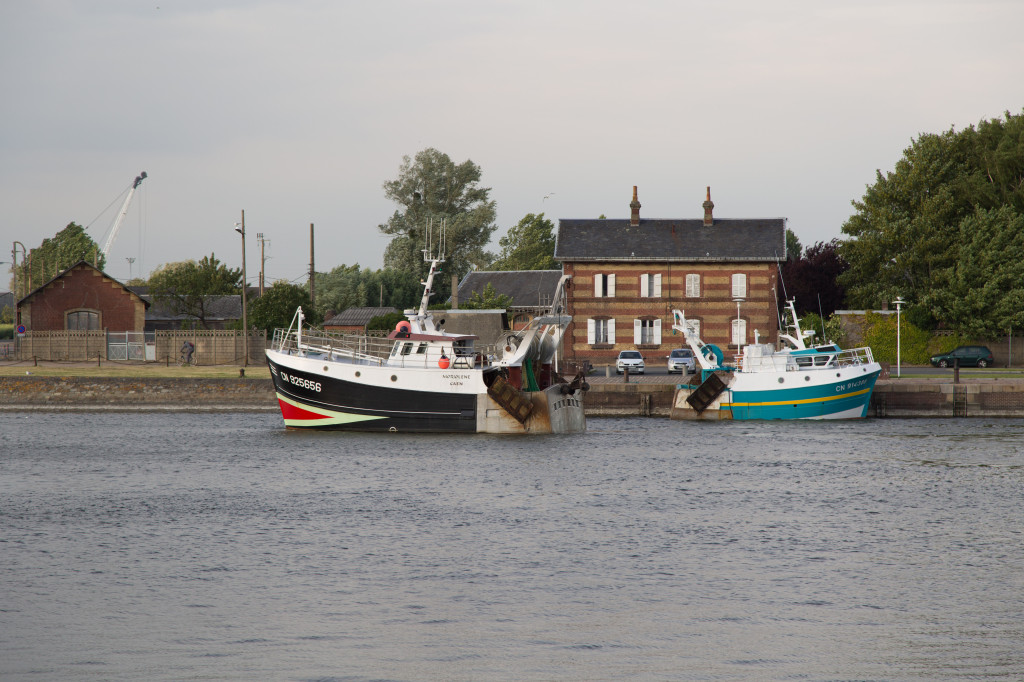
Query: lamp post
x=899, y=302
x=240, y=229
x=739, y=340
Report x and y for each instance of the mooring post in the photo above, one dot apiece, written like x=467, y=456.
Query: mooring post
x=956, y=370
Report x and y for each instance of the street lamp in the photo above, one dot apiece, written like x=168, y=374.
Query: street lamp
x=899, y=302
x=240, y=229
x=739, y=340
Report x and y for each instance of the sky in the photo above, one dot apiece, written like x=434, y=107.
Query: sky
x=297, y=112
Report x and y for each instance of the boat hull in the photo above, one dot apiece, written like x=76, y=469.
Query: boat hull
x=810, y=395
x=313, y=394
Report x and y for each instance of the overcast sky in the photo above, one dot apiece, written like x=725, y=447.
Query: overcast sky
x=298, y=112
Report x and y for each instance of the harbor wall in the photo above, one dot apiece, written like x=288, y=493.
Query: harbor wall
x=892, y=398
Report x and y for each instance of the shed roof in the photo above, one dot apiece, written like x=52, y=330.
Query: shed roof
x=526, y=288
x=743, y=239
x=357, y=317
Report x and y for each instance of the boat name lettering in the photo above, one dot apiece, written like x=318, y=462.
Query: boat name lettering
x=566, y=402
x=304, y=383
x=455, y=376
x=853, y=384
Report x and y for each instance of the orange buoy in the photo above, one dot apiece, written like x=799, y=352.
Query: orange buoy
x=444, y=362
x=402, y=326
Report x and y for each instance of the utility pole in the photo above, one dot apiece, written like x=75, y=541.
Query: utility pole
x=240, y=229
x=263, y=258
x=312, y=270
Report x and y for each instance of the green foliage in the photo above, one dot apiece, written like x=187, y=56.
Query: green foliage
x=917, y=346
x=941, y=229
x=184, y=286
x=6, y=331
x=385, y=321
x=7, y=315
x=529, y=245
x=432, y=189
x=833, y=328
x=793, y=248
x=488, y=300
x=57, y=254
x=348, y=286
x=276, y=307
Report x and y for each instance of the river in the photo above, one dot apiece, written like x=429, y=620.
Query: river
x=223, y=547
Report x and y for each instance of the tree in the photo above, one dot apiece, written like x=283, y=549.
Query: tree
x=529, y=245
x=489, y=299
x=276, y=307
x=812, y=280
x=793, y=248
x=185, y=286
x=432, y=190
x=57, y=254
x=914, y=232
x=348, y=286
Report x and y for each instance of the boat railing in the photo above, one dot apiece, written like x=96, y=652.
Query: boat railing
x=356, y=348
x=804, y=361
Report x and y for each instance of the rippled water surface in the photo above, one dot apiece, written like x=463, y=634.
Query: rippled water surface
x=222, y=547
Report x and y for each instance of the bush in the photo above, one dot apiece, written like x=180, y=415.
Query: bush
x=917, y=346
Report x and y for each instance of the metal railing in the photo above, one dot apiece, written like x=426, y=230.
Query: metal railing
x=369, y=350
x=789, y=362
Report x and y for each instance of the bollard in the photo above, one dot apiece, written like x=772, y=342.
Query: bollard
x=956, y=370
x=608, y=371
x=625, y=375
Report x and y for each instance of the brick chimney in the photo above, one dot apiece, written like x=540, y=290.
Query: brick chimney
x=708, y=205
x=634, y=210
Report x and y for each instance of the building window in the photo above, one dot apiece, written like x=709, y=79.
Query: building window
x=650, y=285
x=604, y=286
x=739, y=332
x=600, y=331
x=83, y=320
x=647, y=332
x=739, y=285
x=693, y=286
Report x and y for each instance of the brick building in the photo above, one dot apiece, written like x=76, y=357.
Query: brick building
x=83, y=298
x=629, y=274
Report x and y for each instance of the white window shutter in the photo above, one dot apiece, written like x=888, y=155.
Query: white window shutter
x=657, y=332
x=739, y=285
x=611, y=331
x=645, y=280
x=611, y=285
x=637, y=332
x=657, y=285
x=590, y=332
x=597, y=285
x=693, y=286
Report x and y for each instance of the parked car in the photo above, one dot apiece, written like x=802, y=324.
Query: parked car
x=680, y=360
x=968, y=356
x=631, y=360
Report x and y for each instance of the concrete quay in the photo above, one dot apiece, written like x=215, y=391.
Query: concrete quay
x=644, y=395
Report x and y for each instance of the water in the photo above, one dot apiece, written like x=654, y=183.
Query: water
x=222, y=547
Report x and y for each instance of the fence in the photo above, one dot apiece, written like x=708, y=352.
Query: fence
x=212, y=346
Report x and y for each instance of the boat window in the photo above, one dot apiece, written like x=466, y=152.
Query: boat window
x=406, y=348
x=422, y=348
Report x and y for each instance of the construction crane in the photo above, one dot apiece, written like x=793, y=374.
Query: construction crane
x=122, y=213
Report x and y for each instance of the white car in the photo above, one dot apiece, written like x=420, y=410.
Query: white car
x=680, y=360
x=631, y=360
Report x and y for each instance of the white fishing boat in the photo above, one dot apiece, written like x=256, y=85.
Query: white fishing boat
x=796, y=382
x=424, y=379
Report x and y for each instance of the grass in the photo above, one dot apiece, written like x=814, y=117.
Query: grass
x=133, y=369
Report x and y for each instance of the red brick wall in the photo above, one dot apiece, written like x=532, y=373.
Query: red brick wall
x=84, y=288
x=714, y=308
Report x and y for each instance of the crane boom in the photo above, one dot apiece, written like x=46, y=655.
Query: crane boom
x=122, y=213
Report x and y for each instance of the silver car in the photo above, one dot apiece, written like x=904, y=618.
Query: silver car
x=680, y=360
x=631, y=360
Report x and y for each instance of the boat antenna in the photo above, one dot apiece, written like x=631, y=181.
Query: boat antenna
x=822, y=316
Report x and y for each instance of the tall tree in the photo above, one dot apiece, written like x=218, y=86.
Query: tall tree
x=529, y=245
x=912, y=234
x=58, y=253
x=811, y=279
x=185, y=286
x=276, y=307
x=431, y=189
x=348, y=286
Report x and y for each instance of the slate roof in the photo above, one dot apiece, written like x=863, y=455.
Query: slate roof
x=747, y=239
x=527, y=288
x=357, y=317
